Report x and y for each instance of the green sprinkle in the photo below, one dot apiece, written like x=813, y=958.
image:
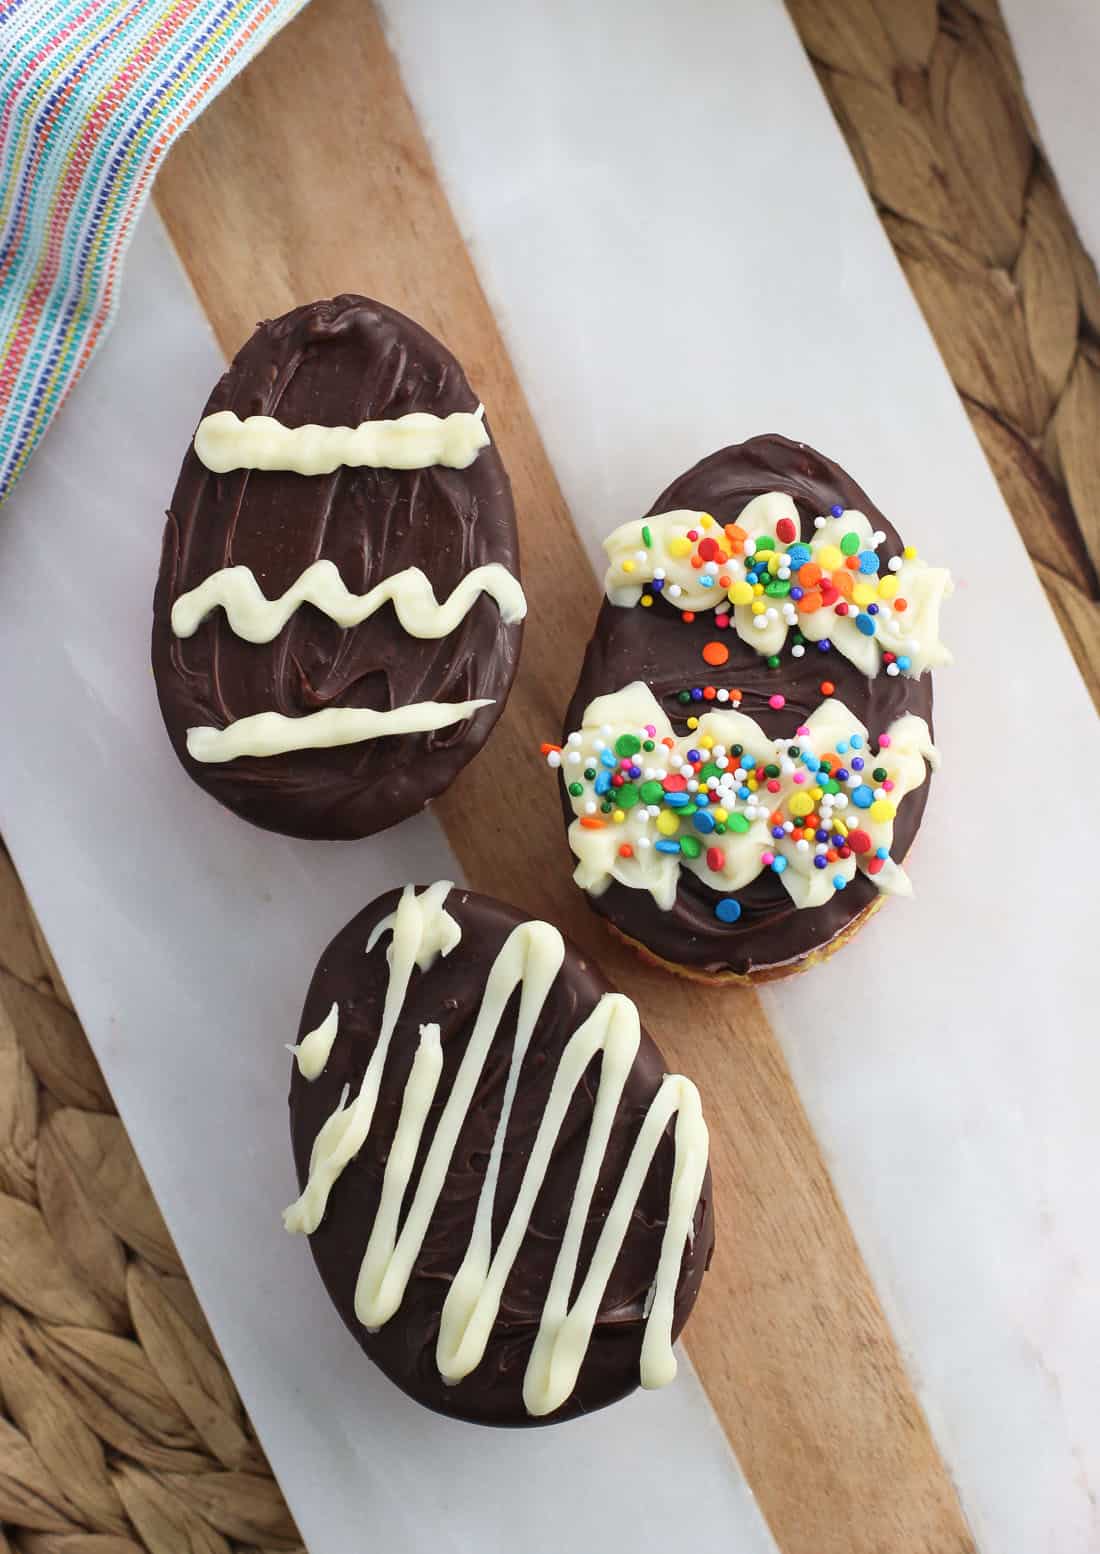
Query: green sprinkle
x=773, y=661
x=606, y=808
x=794, y=751
x=778, y=588
x=709, y=770
x=739, y=824
x=649, y=745
x=850, y=544
x=647, y=538
x=690, y=846
x=627, y=795
x=627, y=744
x=590, y=773
x=832, y=786
x=771, y=771
x=737, y=749
x=683, y=697
x=576, y=789
x=720, y=828
x=880, y=774
x=652, y=792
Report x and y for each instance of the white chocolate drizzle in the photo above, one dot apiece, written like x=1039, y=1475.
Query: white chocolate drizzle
x=530, y=960
x=417, y=441
x=255, y=618
x=312, y=1052
x=654, y=557
x=640, y=845
x=271, y=733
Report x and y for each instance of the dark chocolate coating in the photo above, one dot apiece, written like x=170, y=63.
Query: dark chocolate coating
x=449, y=993
x=337, y=363
x=655, y=645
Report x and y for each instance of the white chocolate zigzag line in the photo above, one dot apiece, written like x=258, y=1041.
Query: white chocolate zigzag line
x=255, y=618
x=530, y=959
x=270, y=733
x=223, y=442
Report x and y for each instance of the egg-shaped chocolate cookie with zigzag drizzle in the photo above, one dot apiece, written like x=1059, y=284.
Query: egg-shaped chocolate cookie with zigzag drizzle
x=744, y=764
x=338, y=615
x=506, y=1195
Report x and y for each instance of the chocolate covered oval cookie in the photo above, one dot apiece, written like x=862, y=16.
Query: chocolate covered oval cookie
x=506, y=1196
x=337, y=618
x=745, y=758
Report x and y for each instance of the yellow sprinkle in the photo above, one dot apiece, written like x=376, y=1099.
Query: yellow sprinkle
x=618, y=815
x=839, y=827
x=829, y=557
x=705, y=521
x=721, y=815
x=693, y=722
x=762, y=555
x=668, y=823
x=740, y=593
x=817, y=794
x=758, y=607
x=646, y=600
x=773, y=564
x=758, y=588
x=707, y=741
x=882, y=809
x=864, y=593
x=752, y=784
x=800, y=804
x=887, y=587
x=628, y=565
x=910, y=553
x=679, y=545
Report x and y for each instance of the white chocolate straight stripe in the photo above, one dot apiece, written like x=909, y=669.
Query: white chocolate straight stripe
x=530, y=959
x=416, y=441
x=255, y=618
x=270, y=733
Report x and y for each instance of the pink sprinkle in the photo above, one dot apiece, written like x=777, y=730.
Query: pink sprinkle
x=888, y=785
x=626, y=762
x=651, y=731
x=721, y=621
x=767, y=859
x=773, y=785
x=798, y=776
x=693, y=534
x=802, y=730
x=884, y=742
x=777, y=701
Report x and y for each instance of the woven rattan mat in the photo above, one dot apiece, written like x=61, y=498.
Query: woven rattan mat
x=120, y=1429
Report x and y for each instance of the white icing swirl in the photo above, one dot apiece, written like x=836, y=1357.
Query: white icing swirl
x=417, y=441
x=658, y=550
x=747, y=843
x=271, y=733
x=530, y=960
x=255, y=618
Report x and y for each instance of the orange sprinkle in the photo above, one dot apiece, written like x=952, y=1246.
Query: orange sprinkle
x=810, y=601
x=736, y=534
x=827, y=687
x=809, y=573
x=546, y=749
x=697, y=562
x=852, y=563
x=724, y=581
x=736, y=695
x=832, y=855
x=590, y=823
x=709, y=692
x=687, y=615
x=716, y=654
x=625, y=850
x=900, y=604
x=842, y=582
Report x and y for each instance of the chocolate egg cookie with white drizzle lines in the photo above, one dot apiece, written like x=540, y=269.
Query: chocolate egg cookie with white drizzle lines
x=338, y=615
x=506, y=1196
x=744, y=764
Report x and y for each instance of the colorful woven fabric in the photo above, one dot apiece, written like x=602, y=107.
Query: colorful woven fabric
x=92, y=94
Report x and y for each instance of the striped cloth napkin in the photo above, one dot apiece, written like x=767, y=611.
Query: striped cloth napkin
x=92, y=94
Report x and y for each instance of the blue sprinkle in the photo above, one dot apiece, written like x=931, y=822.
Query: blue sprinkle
x=697, y=693
x=905, y=663
x=857, y=763
x=706, y=581
x=727, y=910
x=798, y=554
x=842, y=745
x=657, y=584
x=841, y=774
x=703, y=822
x=677, y=800
x=702, y=797
x=866, y=624
x=811, y=762
x=608, y=758
x=744, y=793
x=694, y=755
x=603, y=782
x=779, y=864
x=796, y=593
x=748, y=762
x=863, y=796
x=821, y=862
x=839, y=882
x=856, y=741
x=667, y=845
x=882, y=852
x=634, y=771
x=778, y=832
x=837, y=840
x=868, y=561
x=824, y=645
x=836, y=510
x=821, y=836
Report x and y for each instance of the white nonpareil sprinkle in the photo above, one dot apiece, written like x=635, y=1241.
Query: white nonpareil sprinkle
x=553, y=758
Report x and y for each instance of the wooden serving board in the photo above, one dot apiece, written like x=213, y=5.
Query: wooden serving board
x=317, y=149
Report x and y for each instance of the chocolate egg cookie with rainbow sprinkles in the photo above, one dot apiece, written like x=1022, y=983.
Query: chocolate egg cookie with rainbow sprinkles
x=746, y=756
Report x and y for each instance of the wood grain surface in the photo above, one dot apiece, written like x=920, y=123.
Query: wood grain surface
x=309, y=176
